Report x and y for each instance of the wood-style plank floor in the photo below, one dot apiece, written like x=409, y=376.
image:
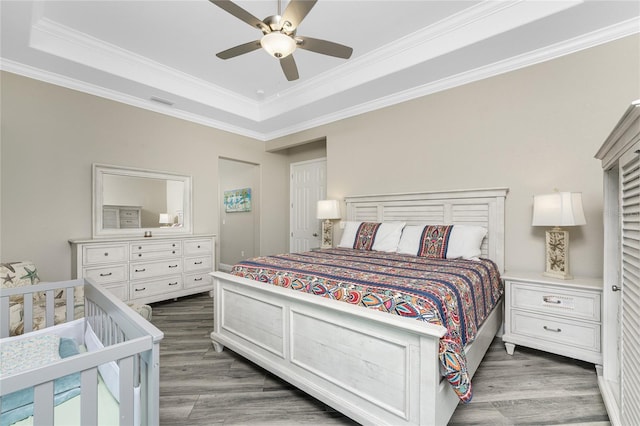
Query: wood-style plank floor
x=199, y=386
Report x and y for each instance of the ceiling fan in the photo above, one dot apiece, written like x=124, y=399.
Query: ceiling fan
x=279, y=35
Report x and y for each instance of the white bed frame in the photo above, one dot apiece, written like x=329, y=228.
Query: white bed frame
x=129, y=340
x=373, y=367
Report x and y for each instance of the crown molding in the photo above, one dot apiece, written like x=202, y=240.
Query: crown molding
x=59, y=40
x=586, y=41
x=81, y=86
x=468, y=26
x=605, y=35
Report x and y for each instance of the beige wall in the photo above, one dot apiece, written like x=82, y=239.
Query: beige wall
x=52, y=135
x=531, y=130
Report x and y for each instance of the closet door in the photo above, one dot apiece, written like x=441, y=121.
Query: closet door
x=630, y=268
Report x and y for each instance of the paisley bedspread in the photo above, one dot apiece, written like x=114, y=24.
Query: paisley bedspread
x=458, y=294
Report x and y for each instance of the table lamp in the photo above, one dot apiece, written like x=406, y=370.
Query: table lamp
x=556, y=210
x=328, y=210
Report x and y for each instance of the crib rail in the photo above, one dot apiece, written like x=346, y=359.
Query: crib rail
x=129, y=340
x=28, y=292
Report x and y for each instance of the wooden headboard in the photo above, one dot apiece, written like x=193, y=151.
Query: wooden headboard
x=484, y=207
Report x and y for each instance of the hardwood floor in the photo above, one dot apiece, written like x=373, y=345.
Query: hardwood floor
x=201, y=387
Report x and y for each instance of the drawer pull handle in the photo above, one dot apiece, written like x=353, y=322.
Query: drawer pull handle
x=173, y=245
x=549, y=299
x=175, y=283
x=198, y=246
x=139, y=254
x=140, y=270
x=198, y=263
x=555, y=330
x=141, y=289
x=106, y=253
x=198, y=279
x=106, y=275
x=139, y=247
x=173, y=266
x=173, y=252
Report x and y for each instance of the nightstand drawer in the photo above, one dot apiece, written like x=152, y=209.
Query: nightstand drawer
x=581, y=335
x=551, y=300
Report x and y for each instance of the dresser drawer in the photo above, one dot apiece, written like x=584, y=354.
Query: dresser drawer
x=198, y=280
x=154, y=269
x=157, y=250
x=196, y=247
x=92, y=255
x=157, y=286
x=107, y=274
x=583, y=335
x=198, y=263
x=551, y=300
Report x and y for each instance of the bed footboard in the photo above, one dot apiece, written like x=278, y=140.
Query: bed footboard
x=373, y=367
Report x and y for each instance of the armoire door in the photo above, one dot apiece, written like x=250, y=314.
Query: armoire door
x=630, y=278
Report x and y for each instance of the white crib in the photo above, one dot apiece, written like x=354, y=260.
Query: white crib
x=129, y=341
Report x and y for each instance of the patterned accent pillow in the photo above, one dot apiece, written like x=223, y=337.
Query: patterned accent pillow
x=366, y=235
x=18, y=274
x=434, y=241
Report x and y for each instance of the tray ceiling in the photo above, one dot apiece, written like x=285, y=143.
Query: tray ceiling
x=160, y=55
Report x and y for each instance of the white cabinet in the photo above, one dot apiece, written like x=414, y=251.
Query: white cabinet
x=620, y=379
x=147, y=270
x=558, y=316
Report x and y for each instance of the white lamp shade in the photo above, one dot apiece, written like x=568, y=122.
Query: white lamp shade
x=165, y=218
x=558, y=209
x=278, y=45
x=328, y=209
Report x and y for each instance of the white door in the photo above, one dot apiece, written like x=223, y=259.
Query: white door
x=308, y=185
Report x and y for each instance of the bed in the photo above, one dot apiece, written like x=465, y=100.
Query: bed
x=373, y=367
x=108, y=373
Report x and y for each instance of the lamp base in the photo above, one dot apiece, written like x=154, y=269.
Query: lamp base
x=327, y=234
x=557, y=254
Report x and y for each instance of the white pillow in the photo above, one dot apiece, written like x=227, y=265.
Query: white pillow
x=388, y=237
x=410, y=240
x=349, y=234
x=465, y=241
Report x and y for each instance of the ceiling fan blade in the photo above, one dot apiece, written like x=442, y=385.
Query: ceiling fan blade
x=239, y=50
x=289, y=67
x=295, y=12
x=241, y=14
x=325, y=47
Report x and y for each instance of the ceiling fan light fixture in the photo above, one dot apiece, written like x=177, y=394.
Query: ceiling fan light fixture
x=278, y=45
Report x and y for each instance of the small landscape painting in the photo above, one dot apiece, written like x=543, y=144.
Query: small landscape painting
x=237, y=200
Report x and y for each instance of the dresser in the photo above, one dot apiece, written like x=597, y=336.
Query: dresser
x=146, y=270
x=553, y=315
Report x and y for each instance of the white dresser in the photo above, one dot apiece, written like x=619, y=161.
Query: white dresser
x=146, y=270
x=553, y=315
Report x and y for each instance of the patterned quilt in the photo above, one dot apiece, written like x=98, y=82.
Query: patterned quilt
x=457, y=294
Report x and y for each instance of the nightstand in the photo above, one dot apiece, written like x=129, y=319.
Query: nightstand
x=553, y=315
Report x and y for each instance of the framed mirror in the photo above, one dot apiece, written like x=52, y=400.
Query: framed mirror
x=138, y=202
